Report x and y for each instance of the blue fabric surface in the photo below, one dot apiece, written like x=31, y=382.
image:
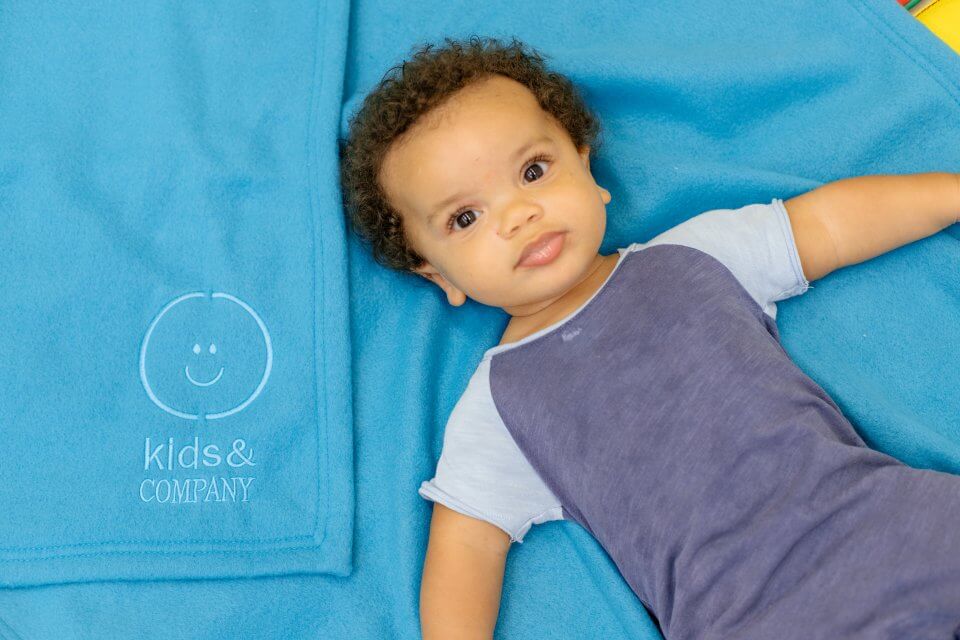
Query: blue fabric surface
x=715, y=105
x=174, y=311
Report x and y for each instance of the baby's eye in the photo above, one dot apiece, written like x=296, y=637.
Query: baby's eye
x=529, y=174
x=456, y=216
x=532, y=175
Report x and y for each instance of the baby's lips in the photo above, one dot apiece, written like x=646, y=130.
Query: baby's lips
x=543, y=250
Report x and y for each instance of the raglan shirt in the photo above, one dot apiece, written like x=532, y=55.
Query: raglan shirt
x=482, y=473
x=664, y=417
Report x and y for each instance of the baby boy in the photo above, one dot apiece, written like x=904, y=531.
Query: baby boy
x=644, y=394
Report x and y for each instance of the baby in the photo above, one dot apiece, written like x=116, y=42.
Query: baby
x=644, y=394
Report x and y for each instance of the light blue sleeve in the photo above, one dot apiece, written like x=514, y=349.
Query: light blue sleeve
x=755, y=242
x=482, y=472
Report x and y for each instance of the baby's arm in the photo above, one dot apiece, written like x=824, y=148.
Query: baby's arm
x=462, y=577
x=855, y=219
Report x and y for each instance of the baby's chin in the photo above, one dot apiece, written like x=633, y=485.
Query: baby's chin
x=527, y=301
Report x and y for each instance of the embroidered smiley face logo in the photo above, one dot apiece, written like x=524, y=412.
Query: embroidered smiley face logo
x=186, y=369
x=205, y=355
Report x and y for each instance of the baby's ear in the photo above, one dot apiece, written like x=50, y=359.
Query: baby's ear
x=454, y=296
x=585, y=157
x=584, y=152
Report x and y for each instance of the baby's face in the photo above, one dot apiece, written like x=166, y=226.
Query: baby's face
x=472, y=195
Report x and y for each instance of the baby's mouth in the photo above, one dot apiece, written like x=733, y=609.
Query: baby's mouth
x=543, y=250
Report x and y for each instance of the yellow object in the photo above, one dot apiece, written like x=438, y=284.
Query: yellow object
x=943, y=18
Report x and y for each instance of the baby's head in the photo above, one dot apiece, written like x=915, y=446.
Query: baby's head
x=465, y=155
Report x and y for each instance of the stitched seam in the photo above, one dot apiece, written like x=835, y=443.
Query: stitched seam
x=919, y=59
x=7, y=632
x=544, y=512
x=238, y=545
x=439, y=495
x=783, y=222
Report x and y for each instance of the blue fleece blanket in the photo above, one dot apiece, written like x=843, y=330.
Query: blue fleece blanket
x=716, y=105
x=173, y=296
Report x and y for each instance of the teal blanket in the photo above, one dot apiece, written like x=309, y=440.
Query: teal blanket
x=155, y=151
x=175, y=325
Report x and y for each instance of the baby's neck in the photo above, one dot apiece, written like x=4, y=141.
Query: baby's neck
x=520, y=327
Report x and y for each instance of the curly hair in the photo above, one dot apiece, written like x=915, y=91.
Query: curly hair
x=413, y=88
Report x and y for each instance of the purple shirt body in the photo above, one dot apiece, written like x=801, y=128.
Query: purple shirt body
x=731, y=492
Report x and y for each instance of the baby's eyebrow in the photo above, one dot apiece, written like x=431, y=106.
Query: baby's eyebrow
x=513, y=158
